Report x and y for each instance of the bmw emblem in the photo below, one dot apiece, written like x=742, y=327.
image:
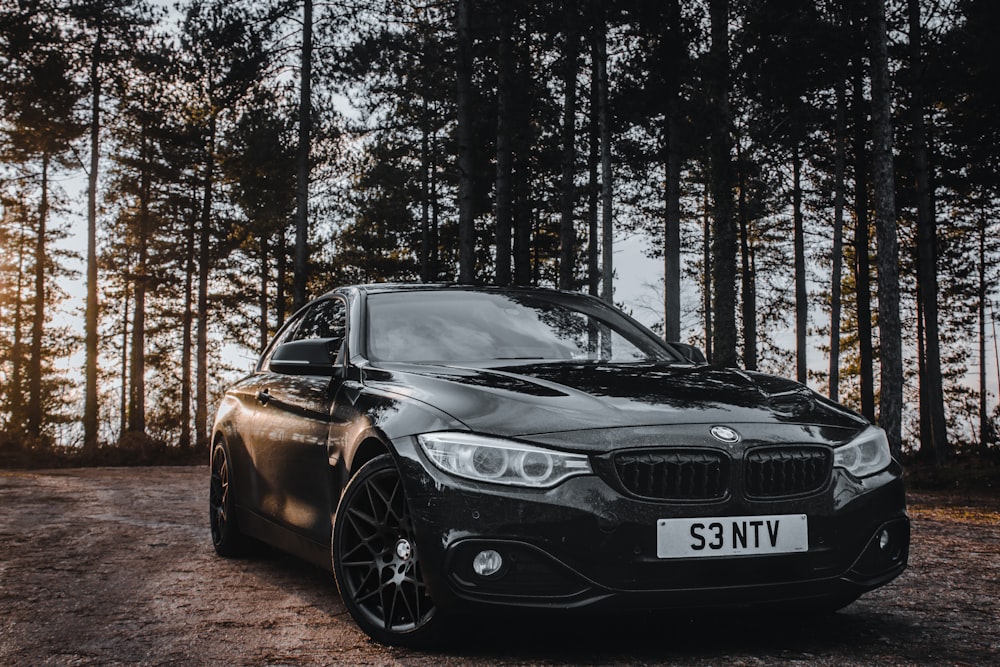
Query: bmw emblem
x=725, y=434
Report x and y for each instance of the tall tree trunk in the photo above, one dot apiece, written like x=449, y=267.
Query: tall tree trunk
x=38, y=319
x=984, y=417
x=90, y=407
x=748, y=283
x=604, y=124
x=463, y=76
x=935, y=438
x=674, y=49
x=300, y=267
x=265, y=274
x=425, y=191
x=137, y=373
x=706, y=248
x=862, y=269
x=890, y=334
x=434, y=258
x=123, y=396
x=567, y=230
x=593, y=185
x=204, y=269
x=723, y=228
x=505, y=157
x=672, y=235
x=801, y=300
x=525, y=105
x=137, y=378
x=187, y=320
x=837, y=258
x=281, y=278
x=16, y=395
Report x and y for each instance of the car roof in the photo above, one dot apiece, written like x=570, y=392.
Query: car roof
x=380, y=288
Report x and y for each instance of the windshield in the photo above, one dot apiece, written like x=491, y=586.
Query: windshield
x=452, y=326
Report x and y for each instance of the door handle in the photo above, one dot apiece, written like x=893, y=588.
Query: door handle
x=263, y=396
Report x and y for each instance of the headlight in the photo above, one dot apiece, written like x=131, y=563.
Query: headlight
x=866, y=455
x=500, y=461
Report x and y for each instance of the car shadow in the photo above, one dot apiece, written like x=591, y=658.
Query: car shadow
x=861, y=631
x=650, y=637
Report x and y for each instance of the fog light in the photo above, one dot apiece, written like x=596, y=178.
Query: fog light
x=487, y=563
x=883, y=539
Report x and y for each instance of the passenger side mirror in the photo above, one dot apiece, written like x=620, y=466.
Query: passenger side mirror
x=691, y=353
x=314, y=356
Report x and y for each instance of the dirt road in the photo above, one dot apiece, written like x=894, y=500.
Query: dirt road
x=115, y=566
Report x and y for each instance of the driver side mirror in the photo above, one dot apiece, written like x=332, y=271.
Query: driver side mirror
x=314, y=356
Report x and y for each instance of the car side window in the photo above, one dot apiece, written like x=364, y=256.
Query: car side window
x=284, y=336
x=327, y=319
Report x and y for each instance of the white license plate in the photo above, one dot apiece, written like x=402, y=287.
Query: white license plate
x=731, y=536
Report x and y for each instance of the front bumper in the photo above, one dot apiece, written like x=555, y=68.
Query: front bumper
x=585, y=544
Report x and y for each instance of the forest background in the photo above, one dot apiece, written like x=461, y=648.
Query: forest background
x=817, y=179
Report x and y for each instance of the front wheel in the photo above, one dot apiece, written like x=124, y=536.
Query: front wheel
x=376, y=562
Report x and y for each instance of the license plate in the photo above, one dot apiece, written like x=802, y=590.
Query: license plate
x=732, y=536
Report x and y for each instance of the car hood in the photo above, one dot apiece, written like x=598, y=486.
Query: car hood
x=532, y=399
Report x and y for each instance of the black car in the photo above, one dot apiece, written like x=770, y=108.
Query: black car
x=453, y=449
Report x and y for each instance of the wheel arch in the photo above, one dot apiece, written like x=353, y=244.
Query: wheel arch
x=367, y=450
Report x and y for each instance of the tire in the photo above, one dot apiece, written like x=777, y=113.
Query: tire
x=376, y=563
x=226, y=536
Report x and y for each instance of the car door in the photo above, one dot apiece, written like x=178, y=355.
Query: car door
x=292, y=429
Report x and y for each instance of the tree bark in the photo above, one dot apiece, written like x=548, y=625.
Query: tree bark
x=34, y=415
x=604, y=124
x=123, y=395
x=672, y=236
x=567, y=230
x=593, y=184
x=933, y=434
x=862, y=241
x=748, y=278
x=505, y=157
x=723, y=225
x=837, y=255
x=137, y=377
x=281, y=278
x=707, y=271
x=466, y=221
x=801, y=299
x=982, y=287
x=204, y=269
x=187, y=320
x=90, y=407
x=300, y=270
x=674, y=49
x=425, y=192
x=265, y=274
x=16, y=395
x=890, y=335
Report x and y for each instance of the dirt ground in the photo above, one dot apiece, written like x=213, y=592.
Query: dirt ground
x=114, y=566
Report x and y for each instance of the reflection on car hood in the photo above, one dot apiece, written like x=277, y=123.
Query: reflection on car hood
x=529, y=399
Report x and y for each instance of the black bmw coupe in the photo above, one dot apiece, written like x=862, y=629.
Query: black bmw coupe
x=450, y=449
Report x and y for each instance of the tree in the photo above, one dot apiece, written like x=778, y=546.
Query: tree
x=723, y=227
x=40, y=97
x=933, y=435
x=891, y=375
x=463, y=99
x=302, y=170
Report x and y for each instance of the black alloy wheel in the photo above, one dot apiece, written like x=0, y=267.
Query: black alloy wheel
x=376, y=562
x=226, y=537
